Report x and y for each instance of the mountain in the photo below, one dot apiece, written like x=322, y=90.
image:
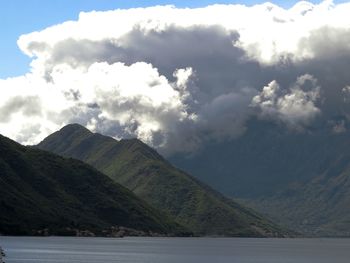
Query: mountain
x=319, y=207
x=42, y=193
x=296, y=178
x=141, y=169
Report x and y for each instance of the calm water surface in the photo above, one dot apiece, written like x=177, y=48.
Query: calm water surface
x=171, y=250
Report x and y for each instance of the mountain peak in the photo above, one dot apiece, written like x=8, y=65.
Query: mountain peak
x=40, y=190
x=66, y=136
x=75, y=127
x=140, y=168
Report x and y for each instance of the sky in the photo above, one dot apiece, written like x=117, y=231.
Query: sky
x=174, y=77
x=19, y=17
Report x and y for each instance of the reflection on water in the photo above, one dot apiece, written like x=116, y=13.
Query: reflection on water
x=174, y=250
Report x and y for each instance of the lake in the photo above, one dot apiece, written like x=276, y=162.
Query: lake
x=174, y=250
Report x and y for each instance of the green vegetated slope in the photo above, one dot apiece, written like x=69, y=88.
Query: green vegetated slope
x=298, y=179
x=41, y=190
x=319, y=207
x=141, y=169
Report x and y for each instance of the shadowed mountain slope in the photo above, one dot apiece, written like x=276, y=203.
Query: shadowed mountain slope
x=141, y=169
x=299, y=179
x=41, y=190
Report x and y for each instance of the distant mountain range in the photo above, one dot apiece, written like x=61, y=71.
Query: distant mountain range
x=300, y=179
x=142, y=170
x=45, y=194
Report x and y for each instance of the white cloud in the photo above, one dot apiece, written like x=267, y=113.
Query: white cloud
x=294, y=107
x=266, y=31
x=178, y=77
x=136, y=97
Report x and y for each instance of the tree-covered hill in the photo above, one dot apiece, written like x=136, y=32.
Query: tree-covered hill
x=45, y=193
x=141, y=169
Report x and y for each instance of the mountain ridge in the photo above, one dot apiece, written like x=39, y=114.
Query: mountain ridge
x=141, y=169
x=45, y=193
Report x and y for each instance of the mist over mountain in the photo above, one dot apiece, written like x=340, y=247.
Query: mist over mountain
x=299, y=179
x=141, y=169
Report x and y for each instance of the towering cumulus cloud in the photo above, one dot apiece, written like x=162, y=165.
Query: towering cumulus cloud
x=294, y=107
x=176, y=78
